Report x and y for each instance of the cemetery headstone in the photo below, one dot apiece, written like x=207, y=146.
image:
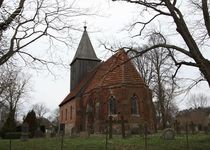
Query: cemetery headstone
x=196, y=129
x=168, y=134
x=84, y=134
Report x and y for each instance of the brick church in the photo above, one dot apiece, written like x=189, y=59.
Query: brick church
x=99, y=89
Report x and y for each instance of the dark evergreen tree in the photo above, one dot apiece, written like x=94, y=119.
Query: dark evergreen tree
x=32, y=122
x=9, y=125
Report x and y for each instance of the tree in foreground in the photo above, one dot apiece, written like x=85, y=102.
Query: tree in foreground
x=23, y=22
x=189, y=20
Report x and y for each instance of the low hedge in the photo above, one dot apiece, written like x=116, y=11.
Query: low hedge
x=12, y=135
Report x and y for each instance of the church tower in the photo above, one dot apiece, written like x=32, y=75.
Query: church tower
x=84, y=61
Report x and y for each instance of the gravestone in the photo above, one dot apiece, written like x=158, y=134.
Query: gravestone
x=168, y=134
x=24, y=131
x=84, y=134
x=196, y=129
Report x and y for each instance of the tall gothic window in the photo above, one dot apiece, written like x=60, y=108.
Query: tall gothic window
x=97, y=110
x=134, y=105
x=66, y=114
x=112, y=105
x=70, y=112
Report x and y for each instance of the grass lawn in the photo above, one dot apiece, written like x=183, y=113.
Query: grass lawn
x=196, y=142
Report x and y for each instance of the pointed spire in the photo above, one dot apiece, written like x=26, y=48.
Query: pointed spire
x=85, y=49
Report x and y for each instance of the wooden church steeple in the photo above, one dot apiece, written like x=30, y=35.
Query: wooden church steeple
x=84, y=60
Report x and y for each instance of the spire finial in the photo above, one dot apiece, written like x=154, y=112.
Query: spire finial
x=85, y=25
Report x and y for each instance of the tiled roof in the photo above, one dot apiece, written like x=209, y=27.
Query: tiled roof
x=117, y=69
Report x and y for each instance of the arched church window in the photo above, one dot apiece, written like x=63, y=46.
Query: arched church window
x=112, y=105
x=71, y=109
x=66, y=114
x=97, y=109
x=89, y=108
x=134, y=105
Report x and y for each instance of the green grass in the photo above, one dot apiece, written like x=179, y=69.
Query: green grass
x=196, y=142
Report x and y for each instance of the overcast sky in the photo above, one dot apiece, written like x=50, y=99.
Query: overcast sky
x=108, y=27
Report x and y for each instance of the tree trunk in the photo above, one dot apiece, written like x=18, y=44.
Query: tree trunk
x=204, y=67
x=161, y=103
x=203, y=64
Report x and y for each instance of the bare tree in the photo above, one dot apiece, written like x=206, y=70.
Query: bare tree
x=13, y=87
x=198, y=100
x=40, y=109
x=144, y=66
x=156, y=67
x=54, y=118
x=23, y=22
x=194, y=33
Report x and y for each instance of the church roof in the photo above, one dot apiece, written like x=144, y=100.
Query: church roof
x=117, y=70
x=85, y=49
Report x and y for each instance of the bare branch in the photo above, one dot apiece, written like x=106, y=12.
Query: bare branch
x=168, y=46
x=51, y=19
x=1, y=2
x=144, y=24
x=206, y=15
x=5, y=24
x=183, y=28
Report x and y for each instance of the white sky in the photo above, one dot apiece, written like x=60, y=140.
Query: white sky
x=50, y=89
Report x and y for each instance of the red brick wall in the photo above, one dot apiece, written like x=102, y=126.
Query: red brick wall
x=122, y=94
